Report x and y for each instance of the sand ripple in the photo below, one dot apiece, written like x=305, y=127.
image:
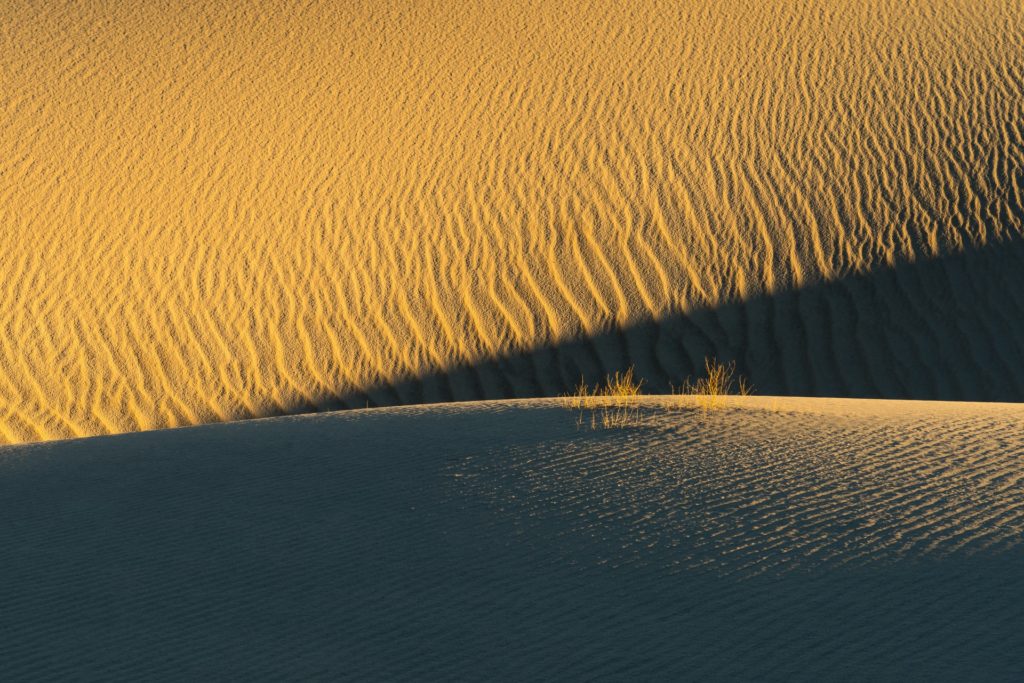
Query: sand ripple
x=780, y=539
x=218, y=210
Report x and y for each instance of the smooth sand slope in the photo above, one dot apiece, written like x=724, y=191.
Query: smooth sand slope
x=779, y=539
x=212, y=210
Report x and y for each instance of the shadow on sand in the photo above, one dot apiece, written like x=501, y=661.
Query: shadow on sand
x=949, y=328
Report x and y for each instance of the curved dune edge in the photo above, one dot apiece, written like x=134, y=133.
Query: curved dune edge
x=777, y=538
x=214, y=210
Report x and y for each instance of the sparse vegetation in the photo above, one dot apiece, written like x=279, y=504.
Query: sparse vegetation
x=615, y=403
x=611, y=405
x=719, y=381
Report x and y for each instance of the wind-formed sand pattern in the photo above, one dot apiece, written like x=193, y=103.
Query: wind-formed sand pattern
x=774, y=539
x=216, y=210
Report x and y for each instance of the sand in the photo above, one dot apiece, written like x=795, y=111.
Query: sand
x=777, y=539
x=215, y=210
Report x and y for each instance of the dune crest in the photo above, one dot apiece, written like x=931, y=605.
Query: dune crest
x=217, y=210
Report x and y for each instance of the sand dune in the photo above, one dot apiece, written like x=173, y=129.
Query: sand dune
x=783, y=539
x=214, y=210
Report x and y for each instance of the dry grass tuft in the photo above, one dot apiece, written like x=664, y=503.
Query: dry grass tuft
x=611, y=405
x=622, y=384
x=719, y=381
x=614, y=404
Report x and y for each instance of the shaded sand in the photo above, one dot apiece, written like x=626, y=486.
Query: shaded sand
x=776, y=539
x=213, y=210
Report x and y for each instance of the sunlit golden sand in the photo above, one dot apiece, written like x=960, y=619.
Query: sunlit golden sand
x=215, y=210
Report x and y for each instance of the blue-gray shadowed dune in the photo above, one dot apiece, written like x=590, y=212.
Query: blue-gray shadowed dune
x=772, y=539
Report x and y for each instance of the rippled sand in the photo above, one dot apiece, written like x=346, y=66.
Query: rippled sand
x=775, y=539
x=214, y=210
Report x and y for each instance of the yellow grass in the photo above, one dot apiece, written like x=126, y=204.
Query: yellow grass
x=614, y=403
x=719, y=380
x=610, y=405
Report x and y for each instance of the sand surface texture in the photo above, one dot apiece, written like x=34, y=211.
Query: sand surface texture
x=789, y=539
x=214, y=210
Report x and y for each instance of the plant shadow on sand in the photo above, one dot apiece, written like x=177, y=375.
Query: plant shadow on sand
x=948, y=328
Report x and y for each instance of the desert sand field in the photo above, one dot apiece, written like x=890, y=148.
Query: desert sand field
x=216, y=210
x=772, y=539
